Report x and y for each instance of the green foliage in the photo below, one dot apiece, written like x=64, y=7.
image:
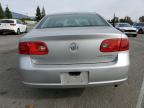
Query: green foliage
x=43, y=13
x=26, y=19
x=1, y=12
x=141, y=19
x=127, y=19
x=38, y=14
x=8, y=13
x=114, y=20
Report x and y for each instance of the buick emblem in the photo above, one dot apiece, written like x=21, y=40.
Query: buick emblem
x=73, y=47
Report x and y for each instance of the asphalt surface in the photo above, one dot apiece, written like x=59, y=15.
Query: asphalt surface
x=13, y=94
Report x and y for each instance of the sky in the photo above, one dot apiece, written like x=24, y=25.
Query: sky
x=106, y=8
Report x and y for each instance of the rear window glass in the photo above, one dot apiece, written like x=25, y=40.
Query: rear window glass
x=6, y=21
x=139, y=24
x=72, y=20
x=124, y=25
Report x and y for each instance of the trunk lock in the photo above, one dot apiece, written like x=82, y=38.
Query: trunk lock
x=74, y=47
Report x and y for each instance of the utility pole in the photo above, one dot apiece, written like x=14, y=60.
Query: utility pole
x=114, y=20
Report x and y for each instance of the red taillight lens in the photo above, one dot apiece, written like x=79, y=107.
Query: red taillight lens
x=124, y=45
x=114, y=45
x=33, y=48
x=13, y=24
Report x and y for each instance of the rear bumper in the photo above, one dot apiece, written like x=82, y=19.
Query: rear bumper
x=59, y=85
x=48, y=76
x=131, y=33
x=7, y=31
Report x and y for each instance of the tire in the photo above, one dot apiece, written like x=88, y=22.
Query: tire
x=140, y=31
x=26, y=30
x=18, y=31
x=1, y=33
x=135, y=35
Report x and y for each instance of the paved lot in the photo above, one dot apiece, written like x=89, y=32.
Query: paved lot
x=13, y=94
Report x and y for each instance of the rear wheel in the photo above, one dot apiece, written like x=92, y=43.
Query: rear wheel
x=135, y=35
x=141, y=31
x=1, y=33
x=18, y=31
x=26, y=30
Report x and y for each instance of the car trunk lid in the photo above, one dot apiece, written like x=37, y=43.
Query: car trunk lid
x=74, y=45
x=6, y=24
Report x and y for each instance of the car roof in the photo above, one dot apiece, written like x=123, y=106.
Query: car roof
x=73, y=13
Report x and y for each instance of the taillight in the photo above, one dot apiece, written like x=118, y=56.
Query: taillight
x=114, y=45
x=13, y=24
x=33, y=48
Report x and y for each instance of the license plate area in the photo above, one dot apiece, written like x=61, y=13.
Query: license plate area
x=74, y=78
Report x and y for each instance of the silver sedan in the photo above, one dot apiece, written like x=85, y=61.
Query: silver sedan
x=74, y=50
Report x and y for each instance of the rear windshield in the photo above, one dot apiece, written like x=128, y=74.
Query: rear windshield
x=60, y=21
x=6, y=21
x=139, y=24
x=124, y=25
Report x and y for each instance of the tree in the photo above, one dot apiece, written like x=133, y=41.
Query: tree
x=126, y=19
x=113, y=20
x=38, y=14
x=1, y=12
x=122, y=20
x=8, y=13
x=141, y=19
x=43, y=13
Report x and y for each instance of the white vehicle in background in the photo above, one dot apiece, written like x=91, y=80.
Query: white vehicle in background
x=127, y=29
x=12, y=26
